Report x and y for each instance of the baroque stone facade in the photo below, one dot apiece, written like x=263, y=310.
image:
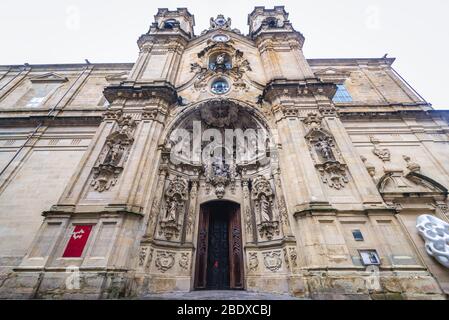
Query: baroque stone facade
x=99, y=198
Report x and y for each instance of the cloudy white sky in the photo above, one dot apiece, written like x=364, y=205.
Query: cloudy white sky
x=68, y=31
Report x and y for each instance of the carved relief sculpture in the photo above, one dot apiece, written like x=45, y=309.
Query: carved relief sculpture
x=175, y=199
x=165, y=260
x=184, y=261
x=272, y=260
x=219, y=175
x=383, y=154
x=111, y=161
x=262, y=196
x=253, y=261
x=325, y=154
x=435, y=233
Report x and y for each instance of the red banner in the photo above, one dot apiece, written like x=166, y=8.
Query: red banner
x=77, y=242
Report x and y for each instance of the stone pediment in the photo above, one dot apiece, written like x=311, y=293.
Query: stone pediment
x=398, y=182
x=333, y=74
x=122, y=76
x=49, y=77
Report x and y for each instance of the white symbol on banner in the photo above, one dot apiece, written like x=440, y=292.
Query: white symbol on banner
x=78, y=234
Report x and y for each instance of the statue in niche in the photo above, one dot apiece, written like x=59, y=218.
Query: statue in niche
x=175, y=199
x=324, y=148
x=111, y=161
x=172, y=211
x=115, y=153
x=262, y=195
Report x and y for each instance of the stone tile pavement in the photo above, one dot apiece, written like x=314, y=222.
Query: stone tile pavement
x=219, y=295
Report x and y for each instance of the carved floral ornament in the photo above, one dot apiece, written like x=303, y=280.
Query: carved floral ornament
x=112, y=160
x=176, y=197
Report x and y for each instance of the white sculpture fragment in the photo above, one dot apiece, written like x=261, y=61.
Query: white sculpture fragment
x=436, y=234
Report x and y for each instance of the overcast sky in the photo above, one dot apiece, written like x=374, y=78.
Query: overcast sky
x=415, y=32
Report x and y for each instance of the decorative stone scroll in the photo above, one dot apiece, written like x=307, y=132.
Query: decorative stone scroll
x=112, y=160
x=176, y=196
x=382, y=153
x=435, y=233
x=263, y=196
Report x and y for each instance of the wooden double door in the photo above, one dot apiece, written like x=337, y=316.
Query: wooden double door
x=219, y=260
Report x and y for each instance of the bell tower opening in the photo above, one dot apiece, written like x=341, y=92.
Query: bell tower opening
x=219, y=256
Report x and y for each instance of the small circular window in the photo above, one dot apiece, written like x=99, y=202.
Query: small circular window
x=220, y=86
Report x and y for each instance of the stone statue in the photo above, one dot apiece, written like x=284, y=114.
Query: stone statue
x=220, y=59
x=172, y=211
x=324, y=147
x=114, y=155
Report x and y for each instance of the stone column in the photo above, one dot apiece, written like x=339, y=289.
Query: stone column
x=191, y=214
x=247, y=213
x=282, y=206
x=156, y=205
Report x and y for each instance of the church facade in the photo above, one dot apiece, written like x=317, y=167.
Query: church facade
x=221, y=161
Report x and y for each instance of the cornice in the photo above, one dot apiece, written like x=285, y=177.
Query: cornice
x=162, y=37
x=157, y=90
x=34, y=120
x=295, y=88
x=388, y=114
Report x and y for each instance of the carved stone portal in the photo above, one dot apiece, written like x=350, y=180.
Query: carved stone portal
x=175, y=199
x=262, y=195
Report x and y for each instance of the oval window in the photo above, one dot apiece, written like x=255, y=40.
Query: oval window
x=220, y=86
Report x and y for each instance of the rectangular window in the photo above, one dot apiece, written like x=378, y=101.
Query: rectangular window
x=358, y=236
x=39, y=92
x=77, y=242
x=342, y=94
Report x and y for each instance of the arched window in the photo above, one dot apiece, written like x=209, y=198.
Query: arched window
x=220, y=60
x=272, y=22
x=170, y=24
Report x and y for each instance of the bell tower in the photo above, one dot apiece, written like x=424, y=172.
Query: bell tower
x=161, y=48
x=280, y=45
